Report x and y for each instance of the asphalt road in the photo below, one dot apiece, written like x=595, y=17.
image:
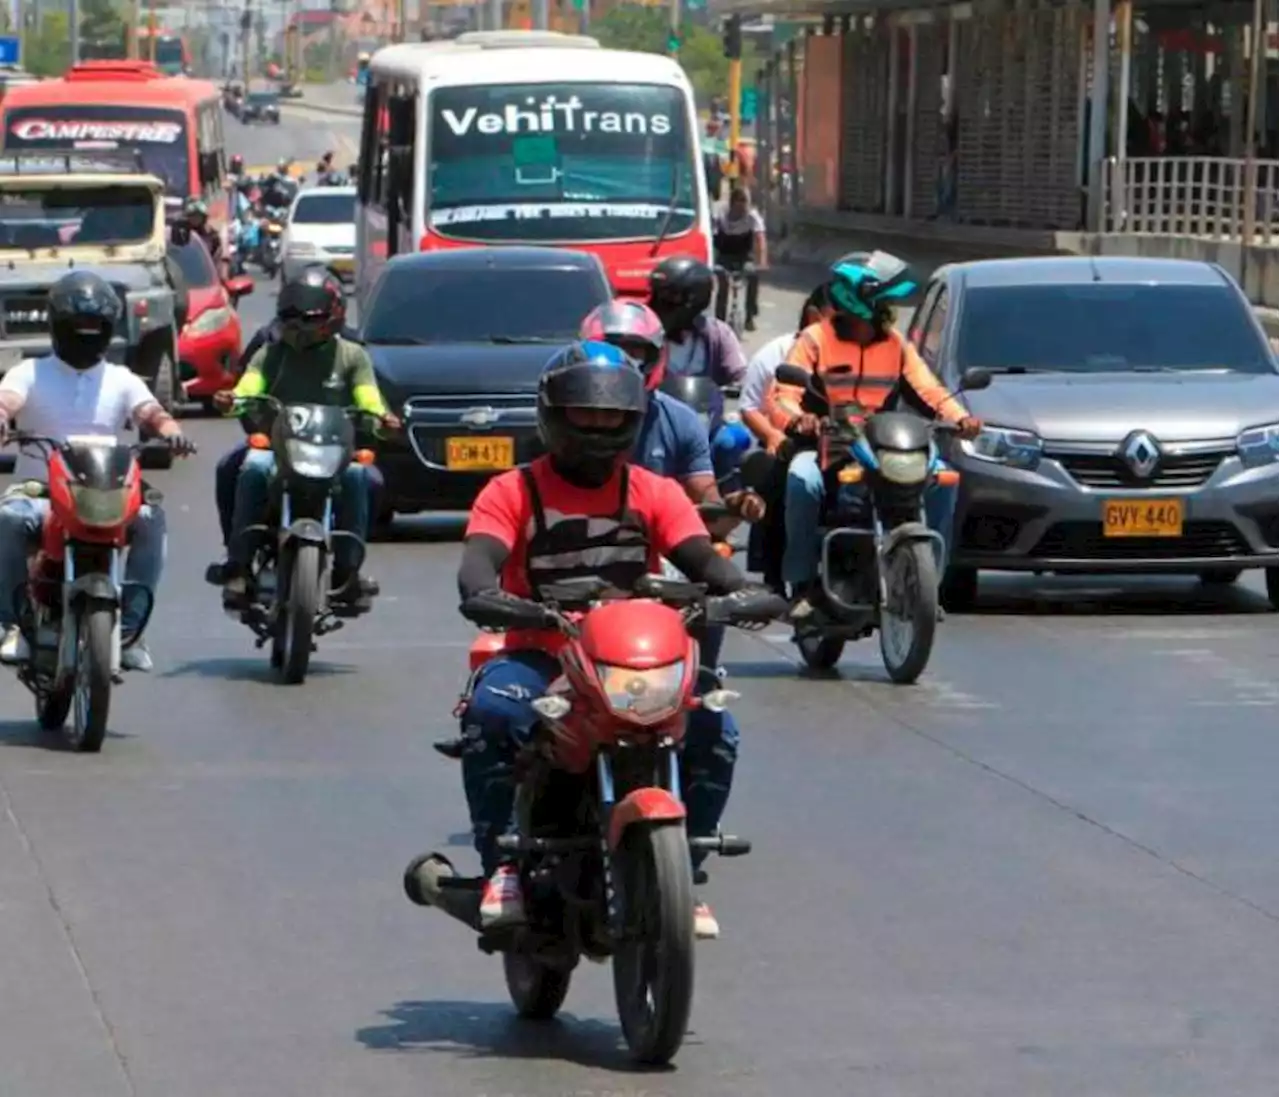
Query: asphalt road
x=1049, y=868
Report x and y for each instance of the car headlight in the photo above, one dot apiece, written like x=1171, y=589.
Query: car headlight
x=642, y=694
x=209, y=321
x=1259, y=445
x=1005, y=446
x=312, y=460
x=99, y=506
x=903, y=468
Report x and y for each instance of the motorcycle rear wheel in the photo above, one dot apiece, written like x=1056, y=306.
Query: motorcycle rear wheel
x=911, y=564
x=91, y=689
x=537, y=991
x=653, y=967
x=299, y=616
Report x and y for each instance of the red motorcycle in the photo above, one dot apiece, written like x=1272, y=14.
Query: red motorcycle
x=600, y=838
x=69, y=609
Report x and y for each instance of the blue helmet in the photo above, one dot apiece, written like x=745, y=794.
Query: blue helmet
x=864, y=283
x=590, y=376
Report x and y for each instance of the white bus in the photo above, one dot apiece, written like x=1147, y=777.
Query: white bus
x=533, y=138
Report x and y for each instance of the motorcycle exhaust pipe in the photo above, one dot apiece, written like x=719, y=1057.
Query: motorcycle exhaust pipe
x=431, y=881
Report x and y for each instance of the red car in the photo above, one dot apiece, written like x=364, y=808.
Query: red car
x=210, y=344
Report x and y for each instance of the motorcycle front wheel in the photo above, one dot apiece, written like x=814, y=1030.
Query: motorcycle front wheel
x=297, y=622
x=653, y=967
x=909, y=622
x=91, y=691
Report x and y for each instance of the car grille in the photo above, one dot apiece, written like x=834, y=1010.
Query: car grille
x=432, y=420
x=1085, y=541
x=26, y=312
x=1098, y=470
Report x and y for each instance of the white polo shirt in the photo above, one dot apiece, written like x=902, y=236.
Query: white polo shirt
x=61, y=401
x=761, y=370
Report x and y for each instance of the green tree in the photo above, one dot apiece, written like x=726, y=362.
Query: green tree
x=47, y=48
x=101, y=22
x=701, y=54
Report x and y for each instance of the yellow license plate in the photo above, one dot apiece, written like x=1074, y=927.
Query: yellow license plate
x=480, y=454
x=343, y=266
x=1142, y=518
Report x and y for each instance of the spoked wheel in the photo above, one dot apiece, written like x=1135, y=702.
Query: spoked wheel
x=909, y=622
x=91, y=688
x=537, y=991
x=653, y=967
x=301, y=602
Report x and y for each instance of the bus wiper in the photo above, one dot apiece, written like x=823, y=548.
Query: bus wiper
x=399, y=341
x=514, y=340
x=672, y=205
x=1017, y=371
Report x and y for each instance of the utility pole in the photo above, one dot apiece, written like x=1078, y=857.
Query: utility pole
x=135, y=22
x=673, y=34
x=1257, y=53
x=246, y=28
x=151, y=30
x=733, y=51
x=333, y=41
x=73, y=20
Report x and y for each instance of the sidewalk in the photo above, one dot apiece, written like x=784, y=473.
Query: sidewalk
x=341, y=98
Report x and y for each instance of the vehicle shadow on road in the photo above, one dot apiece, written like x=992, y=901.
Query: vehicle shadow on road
x=1100, y=599
x=485, y=1030
x=250, y=669
x=28, y=733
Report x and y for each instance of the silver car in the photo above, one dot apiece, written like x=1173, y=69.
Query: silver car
x=1131, y=425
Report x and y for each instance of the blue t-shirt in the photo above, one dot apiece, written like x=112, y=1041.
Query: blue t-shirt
x=673, y=442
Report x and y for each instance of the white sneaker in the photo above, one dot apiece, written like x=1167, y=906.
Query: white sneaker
x=705, y=926
x=502, y=903
x=137, y=657
x=14, y=648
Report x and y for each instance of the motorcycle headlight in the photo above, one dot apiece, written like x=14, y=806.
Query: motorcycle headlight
x=1004, y=446
x=642, y=694
x=1259, y=445
x=314, y=461
x=99, y=506
x=903, y=468
x=210, y=321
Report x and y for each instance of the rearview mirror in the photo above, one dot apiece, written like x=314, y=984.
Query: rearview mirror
x=757, y=470
x=975, y=379
x=239, y=286
x=792, y=375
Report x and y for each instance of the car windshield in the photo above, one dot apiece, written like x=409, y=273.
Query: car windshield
x=97, y=216
x=1108, y=328
x=195, y=263
x=560, y=162
x=160, y=135
x=412, y=305
x=325, y=209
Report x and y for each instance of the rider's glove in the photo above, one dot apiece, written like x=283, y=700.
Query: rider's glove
x=181, y=445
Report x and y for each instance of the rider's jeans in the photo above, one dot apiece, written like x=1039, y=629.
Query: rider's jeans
x=253, y=493
x=21, y=519
x=227, y=472
x=804, y=506
x=499, y=717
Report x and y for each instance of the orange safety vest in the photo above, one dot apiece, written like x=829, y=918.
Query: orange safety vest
x=867, y=374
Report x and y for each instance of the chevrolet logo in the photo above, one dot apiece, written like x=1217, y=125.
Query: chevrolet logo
x=480, y=417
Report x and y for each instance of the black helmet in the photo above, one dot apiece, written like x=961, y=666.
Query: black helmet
x=311, y=308
x=593, y=376
x=680, y=290
x=83, y=313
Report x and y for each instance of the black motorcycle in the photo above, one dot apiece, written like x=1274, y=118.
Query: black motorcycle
x=291, y=600
x=878, y=568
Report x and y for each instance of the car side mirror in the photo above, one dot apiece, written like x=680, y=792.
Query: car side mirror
x=975, y=379
x=179, y=234
x=239, y=286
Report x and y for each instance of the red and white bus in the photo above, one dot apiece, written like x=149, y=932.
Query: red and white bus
x=530, y=138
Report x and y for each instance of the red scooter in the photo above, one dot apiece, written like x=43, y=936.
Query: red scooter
x=69, y=609
x=600, y=838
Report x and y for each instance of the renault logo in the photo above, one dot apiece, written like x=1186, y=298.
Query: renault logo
x=480, y=417
x=1141, y=453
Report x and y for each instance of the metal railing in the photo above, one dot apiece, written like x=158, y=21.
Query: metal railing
x=1192, y=196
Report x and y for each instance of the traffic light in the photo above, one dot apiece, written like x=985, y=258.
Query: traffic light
x=733, y=38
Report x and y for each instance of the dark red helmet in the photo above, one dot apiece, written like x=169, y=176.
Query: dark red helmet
x=634, y=328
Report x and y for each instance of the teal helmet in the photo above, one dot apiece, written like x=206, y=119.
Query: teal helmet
x=865, y=283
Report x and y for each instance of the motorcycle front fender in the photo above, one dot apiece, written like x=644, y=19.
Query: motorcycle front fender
x=909, y=531
x=84, y=592
x=305, y=531
x=643, y=805
x=95, y=587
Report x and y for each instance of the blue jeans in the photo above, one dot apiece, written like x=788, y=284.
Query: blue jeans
x=253, y=494
x=500, y=717
x=228, y=471
x=21, y=519
x=803, y=509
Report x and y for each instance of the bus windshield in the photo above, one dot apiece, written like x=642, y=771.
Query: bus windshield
x=160, y=134
x=560, y=163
